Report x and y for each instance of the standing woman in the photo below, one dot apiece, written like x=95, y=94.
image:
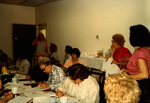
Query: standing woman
x=120, y=54
x=41, y=46
x=139, y=65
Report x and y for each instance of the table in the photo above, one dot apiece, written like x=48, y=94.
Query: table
x=93, y=62
x=38, y=94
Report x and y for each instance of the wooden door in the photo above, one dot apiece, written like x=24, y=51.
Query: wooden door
x=23, y=36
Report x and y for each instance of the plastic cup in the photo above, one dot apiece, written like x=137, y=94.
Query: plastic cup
x=14, y=90
x=52, y=99
x=63, y=99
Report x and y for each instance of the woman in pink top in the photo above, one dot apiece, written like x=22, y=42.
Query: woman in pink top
x=74, y=58
x=139, y=65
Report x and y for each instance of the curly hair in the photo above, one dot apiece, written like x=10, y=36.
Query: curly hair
x=45, y=61
x=121, y=88
x=43, y=54
x=119, y=39
x=77, y=71
x=139, y=36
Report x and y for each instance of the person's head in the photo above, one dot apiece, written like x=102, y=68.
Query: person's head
x=41, y=36
x=68, y=49
x=45, y=65
x=75, y=53
x=121, y=88
x=20, y=57
x=118, y=39
x=53, y=47
x=40, y=55
x=77, y=73
x=139, y=36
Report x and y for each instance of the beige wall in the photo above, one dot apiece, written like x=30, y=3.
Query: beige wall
x=77, y=22
x=10, y=14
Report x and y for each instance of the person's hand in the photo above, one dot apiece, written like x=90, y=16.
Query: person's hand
x=114, y=62
x=59, y=94
x=124, y=71
x=10, y=96
x=112, y=49
x=45, y=86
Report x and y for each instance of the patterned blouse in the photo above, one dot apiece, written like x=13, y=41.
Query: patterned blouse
x=56, y=77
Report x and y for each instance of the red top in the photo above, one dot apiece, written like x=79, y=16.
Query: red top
x=122, y=54
x=140, y=53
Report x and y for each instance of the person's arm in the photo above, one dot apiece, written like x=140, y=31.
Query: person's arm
x=61, y=76
x=26, y=69
x=35, y=41
x=46, y=46
x=143, y=74
x=7, y=98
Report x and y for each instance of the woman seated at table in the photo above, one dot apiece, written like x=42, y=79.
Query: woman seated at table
x=74, y=58
x=121, y=88
x=36, y=73
x=120, y=54
x=68, y=50
x=8, y=96
x=79, y=84
x=56, y=74
x=22, y=65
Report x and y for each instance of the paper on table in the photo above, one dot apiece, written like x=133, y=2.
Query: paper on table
x=38, y=94
x=110, y=68
x=20, y=99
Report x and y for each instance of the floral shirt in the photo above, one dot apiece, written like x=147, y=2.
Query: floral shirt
x=56, y=77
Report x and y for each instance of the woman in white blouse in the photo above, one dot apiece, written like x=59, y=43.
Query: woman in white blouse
x=79, y=84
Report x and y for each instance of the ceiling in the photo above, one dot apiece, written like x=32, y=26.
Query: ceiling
x=31, y=3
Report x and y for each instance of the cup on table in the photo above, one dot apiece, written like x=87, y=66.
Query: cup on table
x=63, y=99
x=100, y=53
x=52, y=99
x=14, y=80
x=14, y=90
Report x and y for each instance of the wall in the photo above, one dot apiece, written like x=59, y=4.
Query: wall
x=77, y=22
x=11, y=14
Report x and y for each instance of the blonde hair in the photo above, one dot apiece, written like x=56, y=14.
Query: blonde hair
x=43, y=54
x=121, y=88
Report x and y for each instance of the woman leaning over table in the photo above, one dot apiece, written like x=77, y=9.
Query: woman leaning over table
x=139, y=65
x=56, y=74
x=120, y=54
x=79, y=84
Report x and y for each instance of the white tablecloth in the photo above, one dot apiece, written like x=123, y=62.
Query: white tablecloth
x=93, y=62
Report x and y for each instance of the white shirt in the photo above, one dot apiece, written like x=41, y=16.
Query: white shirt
x=23, y=66
x=87, y=91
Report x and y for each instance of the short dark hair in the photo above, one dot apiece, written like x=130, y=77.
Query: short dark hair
x=77, y=71
x=68, y=49
x=53, y=47
x=139, y=36
x=119, y=39
x=76, y=51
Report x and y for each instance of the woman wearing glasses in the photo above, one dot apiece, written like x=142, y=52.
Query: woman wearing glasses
x=56, y=74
